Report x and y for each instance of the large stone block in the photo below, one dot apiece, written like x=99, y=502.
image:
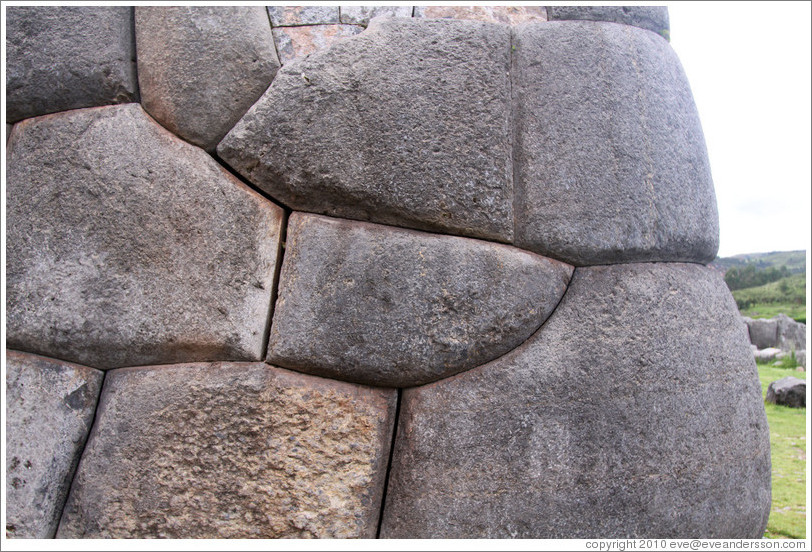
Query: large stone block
x=405, y=124
x=611, y=160
x=49, y=411
x=393, y=307
x=635, y=411
x=295, y=42
x=653, y=18
x=60, y=58
x=201, y=68
x=791, y=334
x=763, y=332
x=128, y=246
x=231, y=450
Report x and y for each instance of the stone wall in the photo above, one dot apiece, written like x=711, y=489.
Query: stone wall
x=367, y=272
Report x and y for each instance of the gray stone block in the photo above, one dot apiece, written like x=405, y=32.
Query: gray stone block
x=128, y=246
x=360, y=15
x=201, y=68
x=653, y=18
x=231, y=450
x=282, y=16
x=763, y=332
x=767, y=355
x=49, y=411
x=392, y=307
x=405, y=124
x=60, y=58
x=611, y=160
x=635, y=411
x=788, y=391
x=791, y=334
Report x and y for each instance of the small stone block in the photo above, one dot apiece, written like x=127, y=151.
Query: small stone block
x=284, y=16
x=49, y=411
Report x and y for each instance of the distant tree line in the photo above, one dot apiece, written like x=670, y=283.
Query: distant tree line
x=750, y=276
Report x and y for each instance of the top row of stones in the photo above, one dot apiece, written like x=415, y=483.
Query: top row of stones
x=62, y=58
x=579, y=141
x=653, y=18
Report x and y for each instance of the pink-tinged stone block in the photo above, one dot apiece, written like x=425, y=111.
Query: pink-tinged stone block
x=296, y=42
x=510, y=15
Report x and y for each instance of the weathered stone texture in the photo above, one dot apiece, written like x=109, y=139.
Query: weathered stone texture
x=766, y=355
x=296, y=42
x=361, y=15
x=788, y=391
x=510, y=15
x=406, y=124
x=635, y=411
x=652, y=18
x=282, y=16
x=763, y=332
x=61, y=58
x=230, y=450
x=201, y=68
x=392, y=307
x=781, y=331
x=791, y=334
x=128, y=246
x=49, y=411
x=611, y=160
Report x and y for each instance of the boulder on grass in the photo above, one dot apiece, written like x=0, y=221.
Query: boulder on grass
x=788, y=391
x=767, y=355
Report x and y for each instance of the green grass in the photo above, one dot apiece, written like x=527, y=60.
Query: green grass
x=788, y=447
x=787, y=295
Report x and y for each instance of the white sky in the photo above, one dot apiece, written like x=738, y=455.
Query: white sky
x=749, y=68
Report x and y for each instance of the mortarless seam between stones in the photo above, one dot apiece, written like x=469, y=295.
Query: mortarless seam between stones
x=389, y=463
x=84, y=445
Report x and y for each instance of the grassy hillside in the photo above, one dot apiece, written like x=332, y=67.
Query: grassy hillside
x=795, y=261
x=787, y=295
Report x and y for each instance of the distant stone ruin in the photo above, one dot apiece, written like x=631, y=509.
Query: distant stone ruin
x=367, y=272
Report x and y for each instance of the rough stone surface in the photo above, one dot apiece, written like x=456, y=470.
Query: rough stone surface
x=128, y=246
x=610, y=159
x=767, y=355
x=800, y=357
x=763, y=332
x=360, y=15
x=61, y=58
x=295, y=42
x=635, y=411
x=406, y=124
x=49, y=410
x=201, y=68
x=791, y=334
x=282, y=16
x=652, y=18
x=510, y=15
x=385, y=306
x=788, y=391
x=231, y=450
